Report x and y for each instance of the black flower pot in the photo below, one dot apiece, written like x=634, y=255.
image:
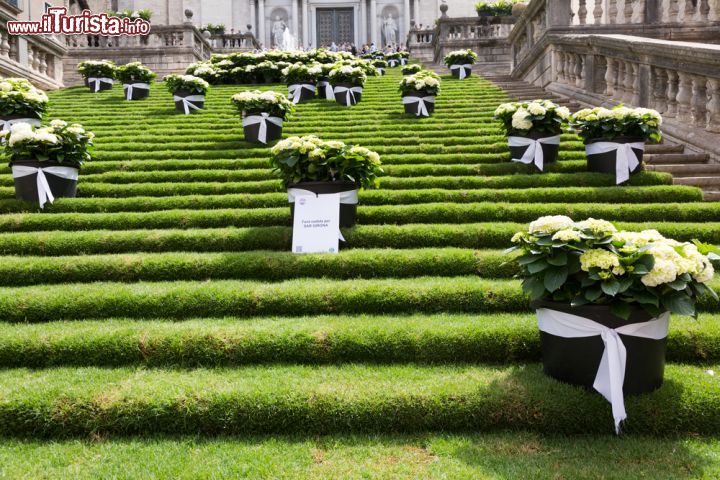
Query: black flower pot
x=348, y=211
x=138, y=93
x=252, y=131
x=412, y=108
x=605, y=162
x=180, y=104
x=341, y=97
x=30, y=117
x=26, y=187
x=456, y=72
x=103, y=86
x=576, y=360
x=550, y=152
x=306, y=93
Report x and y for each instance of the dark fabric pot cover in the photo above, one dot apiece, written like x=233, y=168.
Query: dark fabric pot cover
x=252, y=132
x=348, y=212
x=103, y=85
x=26, y=187
x=138, y=93
x=341, y=97
x=179, y=104
x=456, y=72
x=412, y=108
x=550, y=152
x=605, y=162
x=576, y=360
x=306, y=94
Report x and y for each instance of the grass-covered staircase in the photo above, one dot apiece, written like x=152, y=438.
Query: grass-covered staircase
x=164, y=300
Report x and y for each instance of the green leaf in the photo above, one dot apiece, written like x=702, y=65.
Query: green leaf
x=534, y=288
x=537, y=266
x=593, y=294
x=679, y=303
x=555, y=278
x=645, y=297
x=678, y=285
x=610, y=287
x=529, y=258
x=620, y=309
x=559, y=259
x=648, y=261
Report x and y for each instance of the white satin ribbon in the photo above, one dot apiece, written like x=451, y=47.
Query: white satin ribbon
x=329, y=95
x=422, y=104
x=6, y=124
x=403, y=61
x=393, y=63
x=44, y=193
x=349, y=197
x=187, y=102
x=262, y=119
x=97, y=81
x=611, y=372
x=625, y=161
x=349, y=94
x=130, y=86
x=534, y=152
x=381, y=70
x=463, y=69
x=296, y=90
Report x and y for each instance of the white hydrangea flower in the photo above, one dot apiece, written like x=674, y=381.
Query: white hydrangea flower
x=550, y=224
x=596, y=226
x=521, y=120
x=567, y=235
x=599, y=258
x=536, y=109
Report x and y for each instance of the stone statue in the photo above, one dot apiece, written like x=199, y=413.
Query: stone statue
x=390, y=30
x=278, y=32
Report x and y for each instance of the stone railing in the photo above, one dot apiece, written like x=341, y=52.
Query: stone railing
x=623, y=12
x=37, y=58
x=420, y=43
x=166, y=49
x=234, y=42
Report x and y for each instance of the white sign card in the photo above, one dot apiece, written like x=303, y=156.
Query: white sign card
x=316, y=228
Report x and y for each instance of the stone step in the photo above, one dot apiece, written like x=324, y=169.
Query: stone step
x=711, y=195
x=687, y=170
x=664, y=148
x=676, y=158
x=699, y=181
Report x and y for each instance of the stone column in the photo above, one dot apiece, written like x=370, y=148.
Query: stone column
x=261, y=23
x=610, y=75
x=713, y=106
x=374, y=23
x=684, y=97
x=672, y=91
x=659, y=82
x=253, y=20
x=405, y=23
x=295, y=21
x=698, y=105
x=363, y=23
x=305, y=24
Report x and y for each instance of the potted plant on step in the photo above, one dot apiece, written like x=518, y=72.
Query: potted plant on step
x=347, y=82
x=20, y=102
x=460, y=63
x=309, y=164
x=263, y=114
x=45, y=160
x=404, y=57
x=324, y=89
x=188, y=92
x=393, y=59
x=419, y=92
x=615, y=138
x=136, y=79
x=99, y=75
x=604, y=298
x=411, y=69
x=533, y=130
x=380, y=65
x=301, y=80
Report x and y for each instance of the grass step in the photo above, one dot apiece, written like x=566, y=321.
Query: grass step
x=218, y=298
x=430, y=339
x=474, y=235
x=62, y=402
x=516, y=455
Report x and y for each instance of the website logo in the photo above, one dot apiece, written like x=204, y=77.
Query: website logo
x=57, y=21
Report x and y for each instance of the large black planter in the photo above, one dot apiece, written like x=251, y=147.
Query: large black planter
x=6, y=121
x=180, y=104
x=138, y=92
x=348, y=211
x=342, y=97
x=26, y=186
x=97, y=88
x=605, y=162
x=412, y=108
x=550, y=152
x=307, y=92
x=252, y=129
x=456, y=72
x=576, y=360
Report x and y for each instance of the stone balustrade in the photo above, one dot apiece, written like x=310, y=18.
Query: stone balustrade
x=623, y=12
x=234, y=42
x=37, y=58
x=420, y=43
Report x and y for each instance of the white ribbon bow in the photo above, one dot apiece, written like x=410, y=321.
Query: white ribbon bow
x=6, y=124
x=611, y=372
x=393, y=63
x=625, y=161
x=463, y=69
x=97, y=81
x=403, y=61
x=349, y=197
x=329, y=95
x=187, y=102
x=422, y=104
x=43, y=188
x=130, y=86
x=296, y=90
x=349, y=94
x=262, y=119
x=534, y=152
x=381, y=70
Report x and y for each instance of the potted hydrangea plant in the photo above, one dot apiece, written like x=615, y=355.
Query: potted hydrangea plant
x=419, y=92
x=268, y=71
x=604, y=298
x=136, y=79
x=324, y=89
x=301, y=80
x=20, y=102
x=98, y=74
x=460, y=63
x=45, y=160
x=263, y=114
x=205, y=71
x=411, y=69
x=380, y=65
x=615, y=138
x=393, y=59
x=347, y=82
x=404, y=57
x=533, y=130
x=309, y=164
x=188, y=92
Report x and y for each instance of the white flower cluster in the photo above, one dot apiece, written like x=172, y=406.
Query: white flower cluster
x=599, y=258
x=268, y=97
x=619, y=113
x=25, y=134
x=550, y=224
x=421, y=81
x=189, y=81
x=523, y=113
x=464, y=56
x=19, y=88
x=312, y=70
x=309, y=145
